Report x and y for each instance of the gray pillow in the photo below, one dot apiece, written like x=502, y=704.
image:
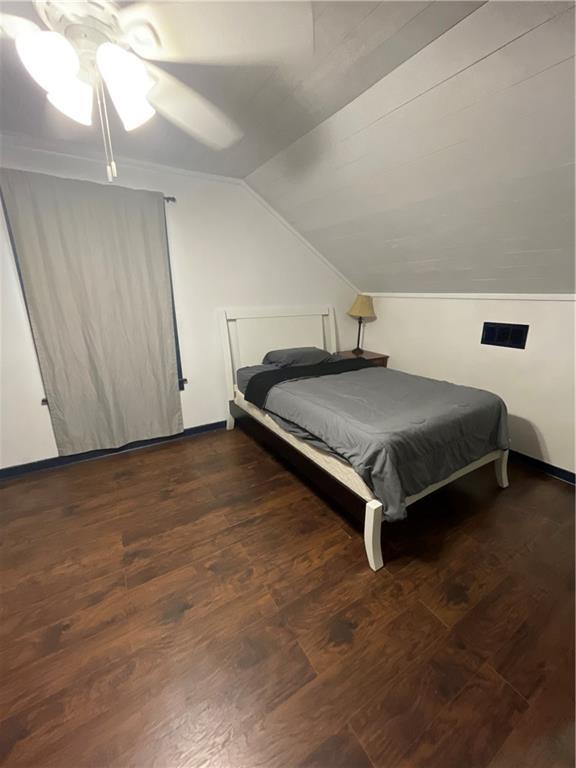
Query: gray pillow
x=297, y=356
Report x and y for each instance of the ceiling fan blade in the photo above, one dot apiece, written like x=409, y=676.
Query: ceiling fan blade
x=218, y=31
x=14, y=26
x=190, y=111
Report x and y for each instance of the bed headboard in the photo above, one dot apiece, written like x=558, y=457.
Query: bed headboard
x=249, y=332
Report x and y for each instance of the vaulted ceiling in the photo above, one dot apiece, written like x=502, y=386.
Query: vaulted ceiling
x=355, y=44
x=453, y=173
x=424, y=146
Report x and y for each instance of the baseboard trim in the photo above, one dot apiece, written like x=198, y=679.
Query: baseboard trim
x=543, y=466
x=63, y=461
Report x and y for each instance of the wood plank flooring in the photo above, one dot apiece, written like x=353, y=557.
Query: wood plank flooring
x=195, y=604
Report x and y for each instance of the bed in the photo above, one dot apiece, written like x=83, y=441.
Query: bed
x=382, y=438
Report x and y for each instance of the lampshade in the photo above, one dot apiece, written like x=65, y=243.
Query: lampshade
x=49, y=57
x=362, y=307
x=128, y=83
x=74, y=98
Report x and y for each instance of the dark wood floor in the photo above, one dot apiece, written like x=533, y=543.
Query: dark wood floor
x=194, y=604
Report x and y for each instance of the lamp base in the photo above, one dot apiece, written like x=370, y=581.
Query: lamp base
x=358, y=350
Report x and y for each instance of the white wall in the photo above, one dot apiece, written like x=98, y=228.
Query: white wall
x=25, y=427
x=227, y=249
x=440, y=338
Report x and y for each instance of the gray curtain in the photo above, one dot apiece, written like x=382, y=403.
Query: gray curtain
x=94, y=266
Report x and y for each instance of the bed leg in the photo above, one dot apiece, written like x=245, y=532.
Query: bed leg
x=372, y=528
x=501, y=467
x=230, y=422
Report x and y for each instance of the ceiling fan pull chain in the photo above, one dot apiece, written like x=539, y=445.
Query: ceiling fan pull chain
x=112, y=163
x=99, y=101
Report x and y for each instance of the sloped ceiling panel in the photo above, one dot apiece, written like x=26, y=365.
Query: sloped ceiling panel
x=455, y=172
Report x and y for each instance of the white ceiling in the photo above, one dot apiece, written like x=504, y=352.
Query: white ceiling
x=425, y=147
x=356, y=44
x=453, y=173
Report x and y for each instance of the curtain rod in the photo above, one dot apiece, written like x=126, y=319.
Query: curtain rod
x=168, y=199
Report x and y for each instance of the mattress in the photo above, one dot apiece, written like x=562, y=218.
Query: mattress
x=400, y=433
x=335, y=466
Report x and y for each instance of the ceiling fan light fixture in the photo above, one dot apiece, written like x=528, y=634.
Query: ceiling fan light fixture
x=75, y=99
x=128, y=83
x=133, y=111
x=14, y=26
x=49, y=58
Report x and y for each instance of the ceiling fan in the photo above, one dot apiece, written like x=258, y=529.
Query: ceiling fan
x=89, y=50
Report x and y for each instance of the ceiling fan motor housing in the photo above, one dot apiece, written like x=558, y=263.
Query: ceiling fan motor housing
x=100, y=15
x=86, y=26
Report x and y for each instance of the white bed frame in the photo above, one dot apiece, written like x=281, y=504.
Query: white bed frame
x=249, y=332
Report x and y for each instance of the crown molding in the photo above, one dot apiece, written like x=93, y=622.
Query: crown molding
x=478, y=296
x=15, y=153
x=306, y=243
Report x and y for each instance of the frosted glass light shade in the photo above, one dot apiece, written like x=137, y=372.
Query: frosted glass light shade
x=49, y=58
x=128, y=83
x=14, y=26
x=74, y=98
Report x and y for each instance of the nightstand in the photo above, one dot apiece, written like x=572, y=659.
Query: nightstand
x=374, y=357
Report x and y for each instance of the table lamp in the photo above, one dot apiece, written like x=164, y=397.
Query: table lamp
x=363, y=309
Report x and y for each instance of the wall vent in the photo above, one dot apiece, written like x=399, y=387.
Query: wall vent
x=505, y=335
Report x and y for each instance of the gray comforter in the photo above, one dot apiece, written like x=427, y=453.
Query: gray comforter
x=400, y=432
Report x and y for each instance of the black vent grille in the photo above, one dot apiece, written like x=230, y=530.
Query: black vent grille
x=505, y=335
